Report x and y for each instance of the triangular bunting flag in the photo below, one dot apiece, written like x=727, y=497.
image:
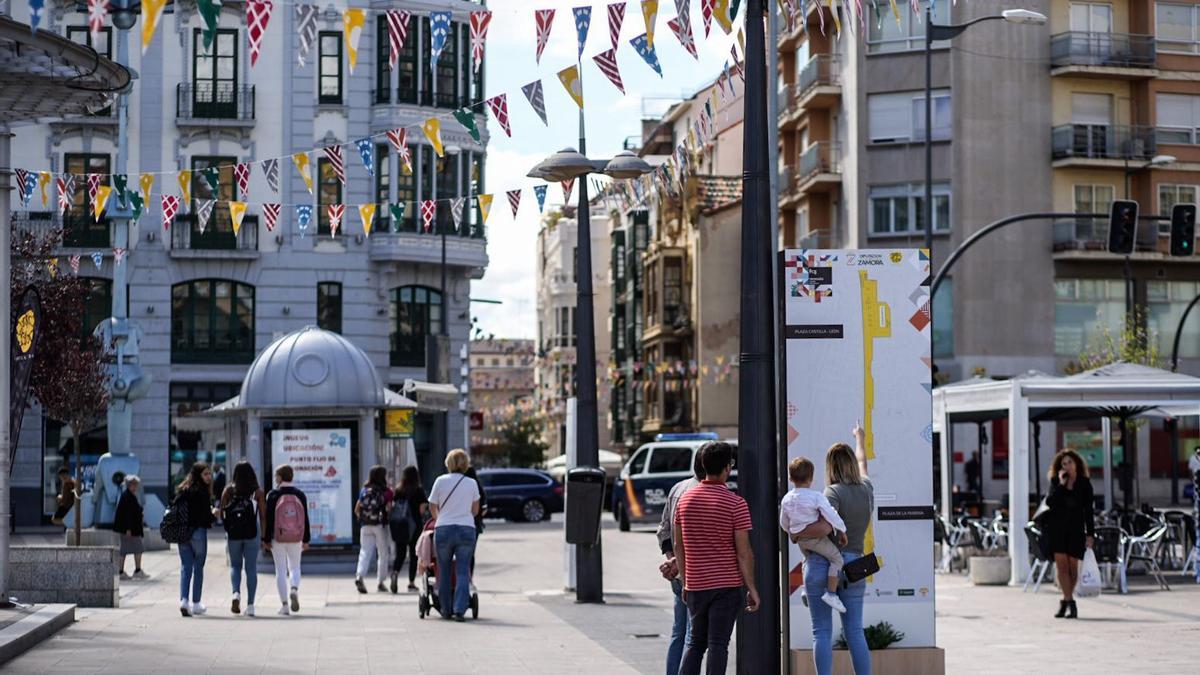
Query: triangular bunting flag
x=366, y=212
x=25, y=181
x=136, y=203
x=353, y=23
x=366, y=152
x=241, y=175
x=271, y=215
x=570, y=80
x=270, y=169
x=97, y=12
x=204, y=208
x=514, y=200
x=75, y=264
x=428, y=211
x=210, y=14
x=336, y=211
x=102, y=195
x=644, y=49
x=212, y=177
x=306, y=28
x=466, y=117
x=333, y=153
x=397, y=20
x=616, y=17
x=543, y=18
x=456, y=213
x=566, y=186
x=119, y=255
x=146, y=182
x=120, y=181
x=499, y=107
x=485, y=206
x=650, y=13
x=607, y=63
x=97, y=259
x=237, y=211
x=397, y=211
x=533, y=92
x=433, y=131
x=151, y=12
x=539, y=191
x=304, y=167
x=64, y=195
x=707, y=7
x=170, y=206
x=479, y=27
x=258, y=15
x=683, y=33
x=43, y=181
x=439, y=31
x=303, y=217
x=583, y=21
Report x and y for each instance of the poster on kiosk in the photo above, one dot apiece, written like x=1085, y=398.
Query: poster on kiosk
x=857, y=347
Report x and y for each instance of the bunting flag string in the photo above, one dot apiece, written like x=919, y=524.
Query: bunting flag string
x=258, y=15
x=64, y=199
x=583, y=21
x=334, y=154
x=93, y=186
x=499, y=107
x=479, y=27
x=466, y=117
x=43, y=181
x=439, y=30
x=212, y=176
x=616, y=17
x=539, y=191
x=642, y=45
x=366, y=152
x=306, y=28
x=397, y=210
x=570, y=80
x=433, y=131
x=97, y=13
x=304, y=168
x=428, y=211
x=683, y=33
x=146, y=183
x=241, y=175
x=543, y=18
x=210, y=16
x=271, y=215
x=270, y=168
x=151, y=13
x=354, y=21
x=606, y=61
x=336, y=211
x=303, y=217
x=237, y=211
x=204, y=208
x=514, y=200
x=650, y=14
x=537, y=100
x=170, y=206
x=366, y=213
x=456, y=213
x=397, y=20
x=485, y=206
x=707, y=7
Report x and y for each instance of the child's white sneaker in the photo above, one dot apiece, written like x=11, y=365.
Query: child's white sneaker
x=249, y=610
x=834, y=602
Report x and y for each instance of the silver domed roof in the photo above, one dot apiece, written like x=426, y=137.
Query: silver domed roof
x=312, y=368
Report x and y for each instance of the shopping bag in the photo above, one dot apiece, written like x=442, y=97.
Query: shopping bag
x=1089, y=577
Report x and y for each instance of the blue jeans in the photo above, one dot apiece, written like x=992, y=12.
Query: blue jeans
x=713, y=614
x=455, y=546
x=192, y=555
x=243, y=554
x=680, y=630
x=816, y=581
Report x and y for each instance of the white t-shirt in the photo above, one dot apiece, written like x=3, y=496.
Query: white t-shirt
x=454, y=503
x=802, y=507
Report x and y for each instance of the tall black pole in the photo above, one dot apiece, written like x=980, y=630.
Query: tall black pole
x=928, y=206
x=759, y=633
x=589, y=567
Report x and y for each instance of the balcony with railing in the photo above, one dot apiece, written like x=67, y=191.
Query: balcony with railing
x=407, y=245
x=1106, y=55
x=820, y=83
x=1089, y=236
x=214, y=104
x=787, y=187
x=1083, y=143
x=217, y=240
x=819, y=169
x=77, y=229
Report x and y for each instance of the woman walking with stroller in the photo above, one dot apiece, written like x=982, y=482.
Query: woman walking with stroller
x=454, y=502
x=196, y=492
x=372, y=508
x=244, y=515
x=410, y=507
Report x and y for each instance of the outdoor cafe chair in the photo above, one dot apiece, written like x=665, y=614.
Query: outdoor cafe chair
x=1144, y=548
x=1041, y=564
x=954, y=534
x=1177, y=540
x=1107, y=549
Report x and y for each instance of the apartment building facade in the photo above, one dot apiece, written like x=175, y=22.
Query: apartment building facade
x=675, y=281
x=502, y=386
x=208, y=300
x=557, y=274
x=1059, y=118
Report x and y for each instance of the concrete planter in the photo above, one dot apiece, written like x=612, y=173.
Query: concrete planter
x=92, y=537
x=85, y=576
x=890, y=661
x=990, y=570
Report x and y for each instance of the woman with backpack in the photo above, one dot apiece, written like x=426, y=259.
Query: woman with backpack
x=454, y=501
x=244, y=515
x=371, y=509
x=410, y=507
x=195, y=492
x=286, y=536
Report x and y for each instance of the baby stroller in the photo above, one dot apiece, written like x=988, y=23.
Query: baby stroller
x=428, y=600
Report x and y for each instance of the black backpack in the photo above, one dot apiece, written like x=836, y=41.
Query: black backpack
x=372, y=507
x=241, y=522
x=174, y=527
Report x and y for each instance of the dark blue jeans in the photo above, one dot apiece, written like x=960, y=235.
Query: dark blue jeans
x=192, y=554
x=680, y=630
x=455, y=545
x=243, y=555
x=713, y=614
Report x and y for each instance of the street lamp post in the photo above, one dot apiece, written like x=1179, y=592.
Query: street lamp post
x=1127, y=269
x=934, y=32
x=568, y=164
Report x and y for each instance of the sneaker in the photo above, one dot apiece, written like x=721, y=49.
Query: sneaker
x=834, y=602
x=140, y=575
x=283, y=611
x=236, y=605
x=185, y=608
x=358, y=583
x=125, y=577
x=295, y=598
x=198, y=608
x=412, y=588
x=249, y=610
x=394, y=587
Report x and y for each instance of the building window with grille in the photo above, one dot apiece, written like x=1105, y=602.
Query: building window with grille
x=329, y=192
x=329, y=68
x=102, y=43
x=217, y=233
x=1168, y=197
x=329, y=306
x=415, y=313
x=80, y=228
x=212, y=321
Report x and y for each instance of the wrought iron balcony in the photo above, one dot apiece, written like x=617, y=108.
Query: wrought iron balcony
x=78, y=230
x=1103, y=141
x=214, y=101
x=1108, y=50
x=218, y=236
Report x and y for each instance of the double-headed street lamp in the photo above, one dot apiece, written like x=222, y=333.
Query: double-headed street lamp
x=569, y=164
x=935, y=32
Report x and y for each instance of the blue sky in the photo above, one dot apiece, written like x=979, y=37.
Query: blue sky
x=610, y=119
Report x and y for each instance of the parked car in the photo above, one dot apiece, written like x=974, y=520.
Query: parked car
x=521, y=494
x=640, y=492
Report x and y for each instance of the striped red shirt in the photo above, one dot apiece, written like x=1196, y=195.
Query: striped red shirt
x=709, y=514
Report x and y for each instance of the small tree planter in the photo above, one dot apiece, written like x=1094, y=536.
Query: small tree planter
x=890, y=661
x=990, y=570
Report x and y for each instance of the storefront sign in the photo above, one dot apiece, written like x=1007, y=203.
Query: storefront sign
x=321, y=461
x=398, y=424
x=27, y=326
x=857, y=346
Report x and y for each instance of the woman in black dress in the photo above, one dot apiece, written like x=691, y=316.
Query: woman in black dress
x=1070, y=525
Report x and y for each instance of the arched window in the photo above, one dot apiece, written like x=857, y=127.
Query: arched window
x=212, y=321
x=414, y=313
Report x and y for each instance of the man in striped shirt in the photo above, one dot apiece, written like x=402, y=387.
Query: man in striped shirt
x=712, y=549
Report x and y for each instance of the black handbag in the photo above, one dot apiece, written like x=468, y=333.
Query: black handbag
x=861, y=568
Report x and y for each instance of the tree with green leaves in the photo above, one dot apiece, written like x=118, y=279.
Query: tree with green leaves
x=523, y=440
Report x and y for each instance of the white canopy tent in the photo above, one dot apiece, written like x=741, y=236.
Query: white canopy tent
x=1120, y=389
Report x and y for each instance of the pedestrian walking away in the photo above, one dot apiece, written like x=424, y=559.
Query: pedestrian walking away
x=66, y=496
x=454, y=502
x=243, y=510
x=196, y=492
x=669, y=567
x=1070, y=524
x=371, y=509
x=129, y=523
x=803, y=506
x=286, y=536
x=410, y=509
x=219, y=482
x=712, y=547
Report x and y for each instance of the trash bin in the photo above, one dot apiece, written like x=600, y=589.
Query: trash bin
x=585, y=501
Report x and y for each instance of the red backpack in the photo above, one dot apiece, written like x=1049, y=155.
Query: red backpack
x=289, y=519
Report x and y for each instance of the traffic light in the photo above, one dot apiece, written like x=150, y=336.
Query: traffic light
x=1183, y=229
x=1122, y=226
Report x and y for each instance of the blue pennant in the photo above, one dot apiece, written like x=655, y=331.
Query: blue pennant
x=646, y=51
x=364, y=149
x=439, y=30
x=303, y=217
x=539, y=191
x=583, y=20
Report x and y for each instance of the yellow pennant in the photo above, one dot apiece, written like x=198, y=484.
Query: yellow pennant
x=896, y=12
x=742, y=40
x=237, y=211
x=433, y=131
x=570, y=79
x=52, y=267
x=146, y=181
x=185, y=185
x=43, y=181
x=837, y=23
x=304, y=167
x=353, y=21
x=485, y=206
x=102, y=195
x=649, y=13
x=151, y=12
x=721, y=14
x=367, y=213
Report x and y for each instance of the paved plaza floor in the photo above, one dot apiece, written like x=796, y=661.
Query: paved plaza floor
x=527, y=625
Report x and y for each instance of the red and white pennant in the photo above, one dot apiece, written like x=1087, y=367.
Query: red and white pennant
x=428, y=210
x=607, y=62
x=97, y=12
x=258, y=14
x=334, y=154
x=398, y=138
x=479, y=28
x=499, y=107
x=616, y=17
x=271, y=215
x=397, y=20
x=544, y=18
x=336, y=211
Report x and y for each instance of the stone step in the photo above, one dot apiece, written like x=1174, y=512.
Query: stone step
x=37, y=626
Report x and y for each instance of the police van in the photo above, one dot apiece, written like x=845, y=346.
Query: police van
x=640, y=491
